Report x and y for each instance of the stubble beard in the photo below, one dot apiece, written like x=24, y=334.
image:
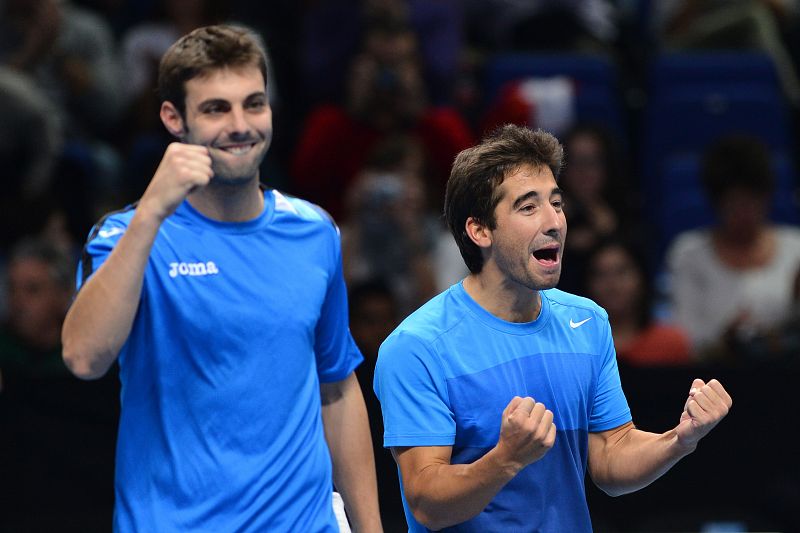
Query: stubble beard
x=238, y=173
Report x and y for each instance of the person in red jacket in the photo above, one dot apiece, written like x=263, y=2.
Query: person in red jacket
x=385, y=96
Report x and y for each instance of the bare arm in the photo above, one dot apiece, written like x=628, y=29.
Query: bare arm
x=625, y=459
x=441, y=494
x=344, y=416
x=100, y=319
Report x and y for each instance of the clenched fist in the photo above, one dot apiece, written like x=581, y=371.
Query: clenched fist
x=527, y=432
x=183, y=168
x=706, y=405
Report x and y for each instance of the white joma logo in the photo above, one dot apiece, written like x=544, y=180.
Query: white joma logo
x=192, y=269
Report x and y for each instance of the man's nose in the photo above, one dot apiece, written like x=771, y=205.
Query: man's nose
x=555, y=220
x=238, y=122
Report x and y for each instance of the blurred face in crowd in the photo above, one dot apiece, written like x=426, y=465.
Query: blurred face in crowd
x=37, y=303
x=584, y=174
x=615, y=282
x=386, y=96
x=228, y=111
x=372, y=320
x=742, y=212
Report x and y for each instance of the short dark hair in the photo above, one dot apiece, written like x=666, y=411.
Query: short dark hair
x=204, y=50
x=478, y=171
x=737, y=162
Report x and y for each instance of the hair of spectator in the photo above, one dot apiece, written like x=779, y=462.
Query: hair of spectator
x=737, y=162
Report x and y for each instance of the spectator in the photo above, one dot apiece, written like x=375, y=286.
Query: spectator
x=581, y=25
x=40, y=283
x=734, y=279
x=30, y=144
x=732, y=25
x=374, y=313
x=385, y=97
x=599, y=203
x=70, y=52
x=332, y=31
x=389, y=232
x=144, y=44
x=617, y=279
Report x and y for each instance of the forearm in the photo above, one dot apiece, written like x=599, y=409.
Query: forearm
x=635, y=460
x=443, y=495
x=100, y=319
x=344, y=416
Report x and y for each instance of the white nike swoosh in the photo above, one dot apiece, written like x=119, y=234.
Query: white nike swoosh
x=574, y=325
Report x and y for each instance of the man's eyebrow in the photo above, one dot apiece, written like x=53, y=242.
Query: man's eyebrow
x=533, y=194
x=524, y=198
x=257, y=94
x=222, y=101
x=212, y=102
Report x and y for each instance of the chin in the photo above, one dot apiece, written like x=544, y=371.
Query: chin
x=224, y=175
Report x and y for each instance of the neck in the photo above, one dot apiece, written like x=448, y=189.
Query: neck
x=503, y=298
x=229, y=203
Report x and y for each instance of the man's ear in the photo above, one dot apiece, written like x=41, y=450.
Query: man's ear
x=172, y=119
x=478, y=232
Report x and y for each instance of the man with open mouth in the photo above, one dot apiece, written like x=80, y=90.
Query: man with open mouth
x=499, y=393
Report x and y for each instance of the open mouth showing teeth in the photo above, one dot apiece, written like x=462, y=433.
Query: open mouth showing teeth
x=238, y=149
x=546, y=255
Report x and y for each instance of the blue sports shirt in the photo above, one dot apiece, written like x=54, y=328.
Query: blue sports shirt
x=238, y=323
x=446, y=374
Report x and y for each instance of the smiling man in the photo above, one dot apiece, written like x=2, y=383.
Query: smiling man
x=501, y=391
x=225, y=305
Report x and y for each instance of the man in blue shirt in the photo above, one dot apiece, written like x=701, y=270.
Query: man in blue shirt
x=499, y=393
x=225, y=305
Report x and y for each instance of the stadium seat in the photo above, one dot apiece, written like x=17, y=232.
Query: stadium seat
x=594, y=77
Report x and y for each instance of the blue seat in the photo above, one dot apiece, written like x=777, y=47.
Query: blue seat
x=694, y=99
x=713, y=68
x=595, y=77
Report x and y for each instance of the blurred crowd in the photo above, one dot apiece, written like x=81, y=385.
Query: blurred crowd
x=372, y=101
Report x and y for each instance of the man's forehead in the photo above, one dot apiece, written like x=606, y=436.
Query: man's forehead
x=226, y=84
x=527, y=175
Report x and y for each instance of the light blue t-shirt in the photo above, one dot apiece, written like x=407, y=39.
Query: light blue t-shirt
x=446, y=374
x=237, y=325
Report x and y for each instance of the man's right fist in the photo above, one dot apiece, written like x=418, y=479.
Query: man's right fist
x=183, y=168
x=527, y=432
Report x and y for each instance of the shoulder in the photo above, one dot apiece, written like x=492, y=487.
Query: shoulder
x=689, y=242
x=788, y=234
x=294, y=208
x=433, y=319
x=113, y=224
x=422, y=329
x=564, y=303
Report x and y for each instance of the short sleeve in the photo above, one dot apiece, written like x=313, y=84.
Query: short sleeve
x=410, y=386
x=336, y=352
x=610, y=408
x=101, y=241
